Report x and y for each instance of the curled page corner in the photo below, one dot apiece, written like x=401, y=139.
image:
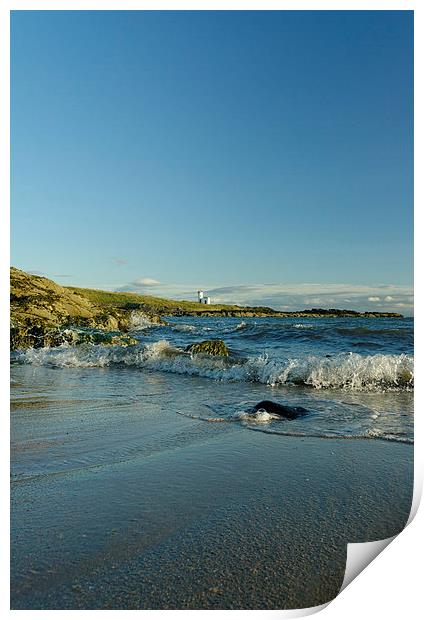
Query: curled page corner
x=359, y=555
x=416, y=497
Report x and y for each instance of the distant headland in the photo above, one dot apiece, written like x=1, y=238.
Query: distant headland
x=41, y=309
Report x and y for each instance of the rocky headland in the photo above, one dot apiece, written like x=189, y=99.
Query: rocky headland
x=42, y=314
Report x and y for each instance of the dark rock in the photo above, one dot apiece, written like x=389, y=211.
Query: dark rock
x=284, y=411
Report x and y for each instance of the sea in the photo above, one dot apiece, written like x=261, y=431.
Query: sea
x=354, y=376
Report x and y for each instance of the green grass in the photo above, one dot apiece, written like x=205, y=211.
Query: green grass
x=160, y=306
x=157, y=304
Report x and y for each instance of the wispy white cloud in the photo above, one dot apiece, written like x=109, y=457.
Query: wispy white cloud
x=141, y=282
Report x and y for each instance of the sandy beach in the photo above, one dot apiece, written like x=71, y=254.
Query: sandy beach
x=190, y=514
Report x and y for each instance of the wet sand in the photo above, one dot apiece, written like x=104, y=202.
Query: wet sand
x=232, y=519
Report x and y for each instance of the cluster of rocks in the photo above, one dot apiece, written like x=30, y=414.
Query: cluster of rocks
x=301, y=314
x=35, y=336
x=44, y=313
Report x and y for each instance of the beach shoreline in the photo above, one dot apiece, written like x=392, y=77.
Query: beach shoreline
x=231, y=520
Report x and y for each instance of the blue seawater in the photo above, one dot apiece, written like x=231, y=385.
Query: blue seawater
x=354, y=376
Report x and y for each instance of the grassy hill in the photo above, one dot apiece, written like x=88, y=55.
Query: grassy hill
x=159, y=305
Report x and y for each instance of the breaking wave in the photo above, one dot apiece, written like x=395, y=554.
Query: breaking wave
x=302, y=326
x=139, y=320
x=349, y=371
x=241, y=326
x=182, y=327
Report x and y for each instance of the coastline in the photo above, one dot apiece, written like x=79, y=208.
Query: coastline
x=41, y=311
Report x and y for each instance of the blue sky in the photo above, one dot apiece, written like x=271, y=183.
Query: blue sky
x=266, y=156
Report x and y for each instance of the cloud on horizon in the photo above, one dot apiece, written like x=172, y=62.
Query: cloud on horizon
x=142, y=282
x=380, y=298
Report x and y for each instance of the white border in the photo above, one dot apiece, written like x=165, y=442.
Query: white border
x=391, y=587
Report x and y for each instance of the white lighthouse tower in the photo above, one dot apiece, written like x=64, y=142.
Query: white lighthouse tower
x=202, y=298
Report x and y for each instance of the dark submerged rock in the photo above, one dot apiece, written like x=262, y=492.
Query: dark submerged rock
x=284, y=411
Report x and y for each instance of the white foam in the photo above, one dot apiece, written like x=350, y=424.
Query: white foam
x=344, y=371
x=258, y=417
x=139, y=320
x=303, y=326
x=182, y=327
